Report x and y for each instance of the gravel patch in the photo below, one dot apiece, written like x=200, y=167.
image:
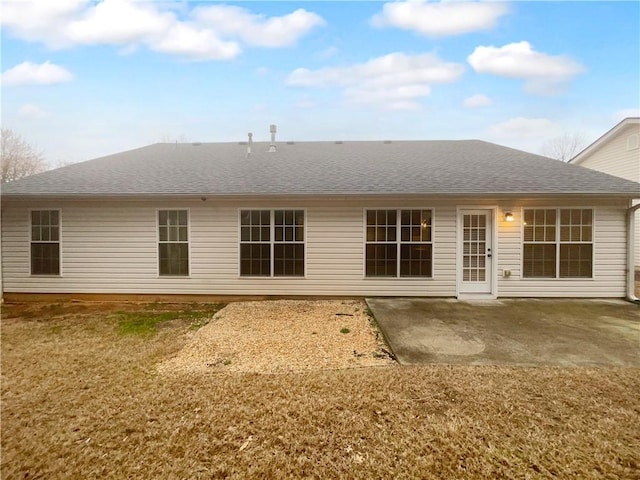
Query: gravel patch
x=283, y=336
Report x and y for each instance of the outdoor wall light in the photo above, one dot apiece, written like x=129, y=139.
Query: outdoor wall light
x=508, y=217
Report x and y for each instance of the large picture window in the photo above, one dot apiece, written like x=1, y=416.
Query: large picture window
x=45, y=242
x=399, y=243
x=558, y=243
x=173, y=242
x=272, y=243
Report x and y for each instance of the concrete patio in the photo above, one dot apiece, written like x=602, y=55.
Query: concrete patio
x=510, y=332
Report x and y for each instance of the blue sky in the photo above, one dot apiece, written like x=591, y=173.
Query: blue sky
x=83, y=78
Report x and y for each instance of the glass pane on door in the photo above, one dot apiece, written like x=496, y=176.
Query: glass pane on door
x=474, y=247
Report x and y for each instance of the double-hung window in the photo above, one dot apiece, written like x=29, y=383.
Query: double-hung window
x=255, y=243
x=399, y=243
x=173, y=242
x=288, y=246
x=45, y=242
x=558, y=243
x=272, y=243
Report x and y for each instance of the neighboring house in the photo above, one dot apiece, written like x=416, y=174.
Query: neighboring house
x=617, y=153
x=409, y=218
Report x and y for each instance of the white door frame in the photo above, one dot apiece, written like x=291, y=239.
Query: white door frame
x=492, y=264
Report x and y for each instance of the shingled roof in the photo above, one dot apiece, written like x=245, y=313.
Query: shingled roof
x=465, y=167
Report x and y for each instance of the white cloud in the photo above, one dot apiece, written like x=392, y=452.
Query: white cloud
x=257, y=29
x=543, y=74
x=194, y=43
x=30, y=111
x=525, y=128
x=27, y=73
x=477, y=101
x=439, y=19
x=118, y=22
x=203, y=33
x=396, y=80
x=40, y=21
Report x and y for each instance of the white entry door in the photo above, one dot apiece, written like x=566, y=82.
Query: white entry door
x=475, y=252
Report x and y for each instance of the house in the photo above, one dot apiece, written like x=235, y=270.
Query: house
x=465, y=219
x=617, y=152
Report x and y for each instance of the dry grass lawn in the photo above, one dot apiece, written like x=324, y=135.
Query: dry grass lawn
x=81, y=399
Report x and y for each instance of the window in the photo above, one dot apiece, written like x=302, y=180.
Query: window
x=45, y=242
x=558, y=243
x=173, y=242
x=576, y=243
x=272, y=243
x=540, y=243
x=288, y=247
x=413, y=247
x=382, y=245
x=255, y=242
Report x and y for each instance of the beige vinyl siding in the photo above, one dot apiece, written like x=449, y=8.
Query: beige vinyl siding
x=637, y=237
x=636, y=248
x=111, y=247
x=608, y=268
x=509, y=246
x=616, y=158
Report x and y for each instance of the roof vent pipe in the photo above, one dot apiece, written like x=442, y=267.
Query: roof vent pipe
x=273, y=129
x=249, y=143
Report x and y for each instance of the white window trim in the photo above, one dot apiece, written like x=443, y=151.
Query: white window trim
x=158, y=210
x=272, y=242
x=557, y=243
x=59, y=242
x=398, y=243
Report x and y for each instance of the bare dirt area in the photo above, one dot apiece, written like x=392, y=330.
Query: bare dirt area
x=82, y=398
x=283, y=336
